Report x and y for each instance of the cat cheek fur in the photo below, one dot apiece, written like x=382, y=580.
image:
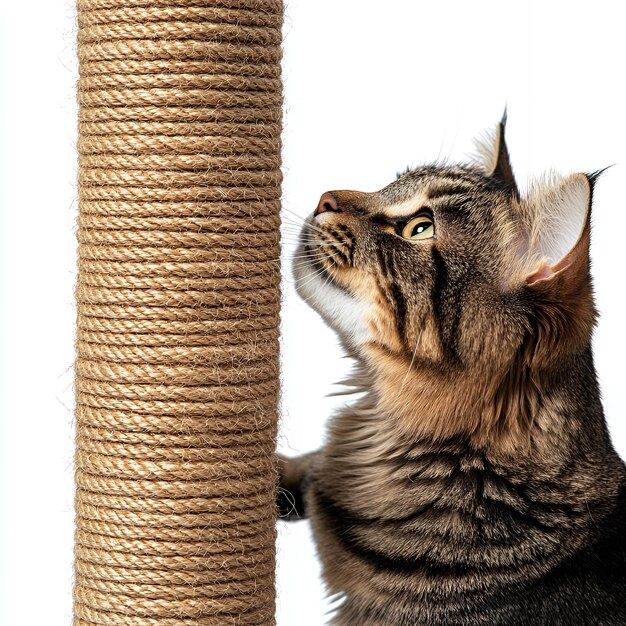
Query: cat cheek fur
x=341, y=310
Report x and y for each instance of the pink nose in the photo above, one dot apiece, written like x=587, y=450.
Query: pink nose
x=327, y=203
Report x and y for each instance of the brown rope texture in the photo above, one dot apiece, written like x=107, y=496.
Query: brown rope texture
x=178, y=303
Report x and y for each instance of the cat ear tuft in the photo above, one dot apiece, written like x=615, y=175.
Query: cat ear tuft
x=595, y=176
x=492, y=156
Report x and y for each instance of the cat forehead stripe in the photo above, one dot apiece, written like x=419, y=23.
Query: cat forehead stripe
x=407, y=207
x=422, y=198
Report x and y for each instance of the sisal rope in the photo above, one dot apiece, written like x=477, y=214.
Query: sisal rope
x=178, y=303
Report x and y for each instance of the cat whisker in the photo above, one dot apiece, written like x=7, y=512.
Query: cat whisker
x=308, y=300
x=287, y=222
x=300, y=261
x=325, y=283
x=286, y=219
x=304, y=221
x=417, y=344
x=310, y=242
x=305, y=259
x=315, y=272
x=298, y=237
x=319, y=258
x=302, y=233
x=312, y=276
x=316, y=254
x=312, y=255
x=321, y=254
x=293, y=213
x=314, y=248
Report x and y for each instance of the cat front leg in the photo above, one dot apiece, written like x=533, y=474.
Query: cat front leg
x=295, y=474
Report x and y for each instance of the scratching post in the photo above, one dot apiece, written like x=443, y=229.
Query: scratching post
x=178, y=302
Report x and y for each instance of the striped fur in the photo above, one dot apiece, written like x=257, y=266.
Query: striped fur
x=473, y=482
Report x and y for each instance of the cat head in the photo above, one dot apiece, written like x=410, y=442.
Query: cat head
x=456, y=292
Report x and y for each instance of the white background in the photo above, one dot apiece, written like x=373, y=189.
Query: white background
x=370, y=88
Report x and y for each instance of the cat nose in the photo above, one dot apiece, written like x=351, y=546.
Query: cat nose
x=327, y=203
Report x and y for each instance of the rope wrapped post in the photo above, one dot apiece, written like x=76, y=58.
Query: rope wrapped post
x=178, y=303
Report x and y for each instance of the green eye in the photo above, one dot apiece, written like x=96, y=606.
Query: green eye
x=420, y=227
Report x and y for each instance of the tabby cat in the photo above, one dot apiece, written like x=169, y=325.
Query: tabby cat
x=473, y=480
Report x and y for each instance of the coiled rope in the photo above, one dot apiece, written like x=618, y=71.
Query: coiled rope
x=178, y=303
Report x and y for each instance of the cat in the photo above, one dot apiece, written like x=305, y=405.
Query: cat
x=473, y=480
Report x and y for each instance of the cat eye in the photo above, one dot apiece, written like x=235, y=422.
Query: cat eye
x=420, y=227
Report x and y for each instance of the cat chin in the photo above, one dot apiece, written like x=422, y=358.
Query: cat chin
x=339, y=309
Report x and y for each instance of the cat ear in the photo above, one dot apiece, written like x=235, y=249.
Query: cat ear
x=556, y=267
x=558, y=240
x=493, y=156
